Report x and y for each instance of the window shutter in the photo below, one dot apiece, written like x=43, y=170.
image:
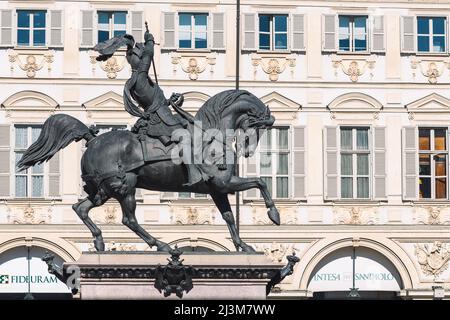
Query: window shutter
x=249, y=31
x=331, y=152
x=137, y=25
x=54, y=35
x=5, y=161
x=378, y=43
x=408, y=29
x=218, y=31
x=329, y=25
x=54, y=176
x=298, y=32
x=169, y=35
x=87, y=28
x=410, y=163
x=379, y=167
x=6, y=23
x=298, y=162
x=250, y=172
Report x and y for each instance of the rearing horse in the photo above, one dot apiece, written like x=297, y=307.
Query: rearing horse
x=113, y=165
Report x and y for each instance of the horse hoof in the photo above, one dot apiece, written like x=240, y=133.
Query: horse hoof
x=248, y=249
x=99, y=245
x=274, y=215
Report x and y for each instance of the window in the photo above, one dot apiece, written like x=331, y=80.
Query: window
x=111, y=24
x=353, y=33
x=31, y=27
x=431, y=34
x=28, y=183
x=188, y=195
x=432, y=163
x=192, y=32
x=273, y=32
x=274, y=161
x=354, y=157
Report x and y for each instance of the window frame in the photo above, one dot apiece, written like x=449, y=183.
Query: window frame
x=111, y=24
x=355, y=152
x=29, y=172
x=351, y=33
x=431, y=34
x=274, y=151
x=192, y=30
x=433, y=152
x=272, y=32
x=31, y=28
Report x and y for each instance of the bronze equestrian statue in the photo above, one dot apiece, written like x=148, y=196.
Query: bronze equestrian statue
x=117, y=162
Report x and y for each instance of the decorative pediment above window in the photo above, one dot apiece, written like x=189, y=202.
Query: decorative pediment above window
x=29, y=106
x=281, y=107
x=108, y=102
x=30, y=100
x=193, y=100
x=355, y=102
x=431, y=103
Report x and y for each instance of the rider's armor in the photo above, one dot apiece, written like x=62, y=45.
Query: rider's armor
x=157, y=117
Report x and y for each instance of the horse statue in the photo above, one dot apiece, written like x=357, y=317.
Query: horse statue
x=115, y=163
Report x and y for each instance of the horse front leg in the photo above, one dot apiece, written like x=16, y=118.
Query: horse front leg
x=242, y=184
x=223, y=204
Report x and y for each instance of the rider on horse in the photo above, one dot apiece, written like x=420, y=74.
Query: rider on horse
x=157, y=120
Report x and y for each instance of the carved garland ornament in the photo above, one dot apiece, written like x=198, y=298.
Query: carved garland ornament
x=353, y=68
x=112, y=66
x=355, y=215
x=277, y=251
x=272, y=65
x=432, y=69
x=193, y=65
x=30, y=63
x=28, y=215
x=193, y=215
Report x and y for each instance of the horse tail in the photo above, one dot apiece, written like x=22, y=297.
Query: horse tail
x=57, y=133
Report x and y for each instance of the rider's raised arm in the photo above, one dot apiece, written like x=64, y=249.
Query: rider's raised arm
x=147, y=55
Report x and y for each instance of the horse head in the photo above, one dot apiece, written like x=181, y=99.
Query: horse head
x=240, y=111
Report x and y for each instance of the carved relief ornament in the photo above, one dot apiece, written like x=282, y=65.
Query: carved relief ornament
x=353, y=67
x=355, y=215
x=433, y=259
x=431, y=69
x=111, y=67
x=193, y=215
x=193, y=63
x=272, y=65
x=31, y=62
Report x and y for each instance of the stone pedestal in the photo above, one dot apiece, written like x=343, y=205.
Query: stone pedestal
x=131, y=275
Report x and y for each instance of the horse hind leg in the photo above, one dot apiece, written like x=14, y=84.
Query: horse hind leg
x=82, y=209
x=128, y=205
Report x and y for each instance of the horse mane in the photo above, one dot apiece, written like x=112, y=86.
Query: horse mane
x=210, y=112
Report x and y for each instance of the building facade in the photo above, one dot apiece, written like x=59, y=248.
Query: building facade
x=357, y=161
